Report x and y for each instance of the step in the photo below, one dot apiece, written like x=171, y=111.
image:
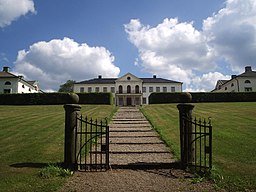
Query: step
x=134, y=140
x=124, y=159
x=133, y=134
x=138, y=148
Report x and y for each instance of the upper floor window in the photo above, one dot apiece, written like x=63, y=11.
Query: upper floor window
x=7, y=83
x=151, y=89
x=157, y=89
x=120, y=89
x=112, y=89
x=137, y=89
x=97, y=89
x=105, y=89
x=144, y=89
x=247, y=81
x=172, y=89
x=164, y=89
x=128, y=89
x=128, y=78
x=232, y=85
x=89, y=89
x=23, y=86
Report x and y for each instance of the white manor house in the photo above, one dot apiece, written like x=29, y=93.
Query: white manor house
x=128, y=90
x=10, y=83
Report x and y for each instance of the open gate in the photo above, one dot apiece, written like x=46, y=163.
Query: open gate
x=92, y=145
x=196, y=143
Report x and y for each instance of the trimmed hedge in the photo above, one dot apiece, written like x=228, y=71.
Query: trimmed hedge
x=95, y=98
x=197, y=97
x=54, y=98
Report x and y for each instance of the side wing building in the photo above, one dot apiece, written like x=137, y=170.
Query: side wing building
x=245, y=82
x=10, y=83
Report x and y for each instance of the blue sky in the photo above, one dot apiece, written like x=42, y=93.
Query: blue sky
x=196, y=42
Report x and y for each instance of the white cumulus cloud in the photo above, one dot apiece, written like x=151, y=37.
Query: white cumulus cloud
x=179, y=51
x=53, y=63
x=10, y=10
x=232, y=33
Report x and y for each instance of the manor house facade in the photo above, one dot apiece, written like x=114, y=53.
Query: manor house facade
x=128, y=90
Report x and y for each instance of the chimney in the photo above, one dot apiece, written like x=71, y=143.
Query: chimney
x=99, y=76
x=154, y=76
x=233, y=76
x=6, y=69
x=248, y=68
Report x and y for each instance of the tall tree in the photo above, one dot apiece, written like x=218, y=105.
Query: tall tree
x=67, y=87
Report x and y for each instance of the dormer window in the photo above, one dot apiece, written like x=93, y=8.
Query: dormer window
x=247, y=81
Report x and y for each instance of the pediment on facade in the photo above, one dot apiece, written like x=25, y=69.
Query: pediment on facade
x=128, y=77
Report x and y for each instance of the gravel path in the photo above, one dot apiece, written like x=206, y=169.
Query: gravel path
x=139, y=161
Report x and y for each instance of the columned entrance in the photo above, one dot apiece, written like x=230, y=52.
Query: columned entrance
x=129, y=101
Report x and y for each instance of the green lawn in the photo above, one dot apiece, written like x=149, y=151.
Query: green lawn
x=32, y=137
x=234, y=138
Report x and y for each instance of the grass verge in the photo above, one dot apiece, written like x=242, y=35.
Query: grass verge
x=31, y=138
x=234, y=139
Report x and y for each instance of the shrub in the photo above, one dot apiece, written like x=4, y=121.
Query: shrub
x=95, y=98
x=158, y=98
x=55, y=98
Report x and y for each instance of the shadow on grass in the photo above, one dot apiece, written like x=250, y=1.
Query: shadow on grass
x=34, y=165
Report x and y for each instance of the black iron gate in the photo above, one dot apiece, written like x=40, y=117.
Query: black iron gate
x=92, y=145
x=196, y=143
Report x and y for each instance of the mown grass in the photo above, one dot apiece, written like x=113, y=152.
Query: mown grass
x=234, y=138
x=32, y=137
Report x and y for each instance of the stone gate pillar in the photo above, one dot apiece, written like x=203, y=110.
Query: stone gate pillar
x=71, y=112
x=186, y=137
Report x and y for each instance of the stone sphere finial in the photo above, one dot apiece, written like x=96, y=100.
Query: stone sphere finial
x=73, y=98
x=185, y=97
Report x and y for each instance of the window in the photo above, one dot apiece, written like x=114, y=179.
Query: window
x=81, y=89
x=164, y=89
x=232, y=85
x=144, y=89
x=144, y=100
x=226, y=88
x=172, y=89
x=105, y=89
x=23, y=86
x=97, y=89
x=29, y=89
x=128, y=89
x=137, y=89
x=7, y=83
x=151, y=89
x=247, y=89
x=112, y=89
x=247, y=81
x=157, y=89
x=128, y=78
x=89, y=89
x=120, y=89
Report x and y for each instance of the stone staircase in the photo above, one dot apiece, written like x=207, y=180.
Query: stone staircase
x=133, y=142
